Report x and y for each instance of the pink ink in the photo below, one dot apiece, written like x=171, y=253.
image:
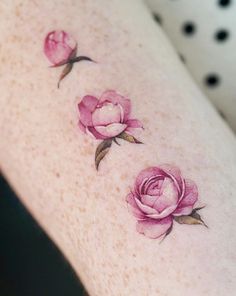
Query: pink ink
x=60, y=49
x=108, y=118
x=160, y=196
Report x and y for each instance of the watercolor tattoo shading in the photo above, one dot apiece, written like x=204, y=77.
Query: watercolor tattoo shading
x=107, y=119
x=61, y=50
x=161, y=196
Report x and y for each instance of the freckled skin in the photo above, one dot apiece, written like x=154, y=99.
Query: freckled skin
x=84, y=211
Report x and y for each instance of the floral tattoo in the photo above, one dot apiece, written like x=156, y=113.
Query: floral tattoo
x=161, y=196
x=107, y=119
x=61, y=49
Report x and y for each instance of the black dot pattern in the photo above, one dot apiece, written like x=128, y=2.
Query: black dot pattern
x=212, y=80
x=224, y=3
x=203, y=35
x=189, y=28
x=221, y=35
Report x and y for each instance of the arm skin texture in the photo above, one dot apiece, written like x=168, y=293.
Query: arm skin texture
x=50, y=163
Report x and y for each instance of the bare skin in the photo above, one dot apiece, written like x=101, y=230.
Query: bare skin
x=50, y=163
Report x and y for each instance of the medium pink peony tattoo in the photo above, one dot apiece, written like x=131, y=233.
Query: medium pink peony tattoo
x=107, y=119
x=160, y=196
x=60, y=49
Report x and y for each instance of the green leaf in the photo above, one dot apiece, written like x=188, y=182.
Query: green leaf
x=192, y=219
x=101, y=151
x=65, y=72
x=127, y=137
x=115, y=140
x=81, y=58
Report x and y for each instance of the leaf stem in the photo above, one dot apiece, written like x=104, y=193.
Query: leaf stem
x=79, y=59
x=115, y=140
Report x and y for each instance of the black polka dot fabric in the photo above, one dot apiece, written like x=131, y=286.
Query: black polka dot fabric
x=224, y=3
x=189, y=28
x=204, y=37
x=222, y=35
x=212, y=80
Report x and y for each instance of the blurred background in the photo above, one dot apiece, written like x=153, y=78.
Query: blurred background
x=203, y=35
x=30, y=264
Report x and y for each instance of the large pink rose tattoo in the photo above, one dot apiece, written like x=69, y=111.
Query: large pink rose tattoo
x=60, y=49
x=160, y=196
x=107, y=119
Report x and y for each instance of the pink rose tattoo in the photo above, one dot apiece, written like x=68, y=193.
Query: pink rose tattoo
x=160, y=196
x=60, y=49
x=107, y=119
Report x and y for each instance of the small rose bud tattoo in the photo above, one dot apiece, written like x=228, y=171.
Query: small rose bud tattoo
x=161, y=196
x=61, y=49
x=108, y=119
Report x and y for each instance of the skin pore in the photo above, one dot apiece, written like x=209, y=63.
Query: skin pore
x=50, y=162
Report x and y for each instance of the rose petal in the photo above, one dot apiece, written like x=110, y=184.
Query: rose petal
x=59, y=47
x=134, y=130
x=94, y=134
x=60, y=55
x=154, y=228
x=133, y=206
x=144, y=208
x=111, y=130
x=90, y=102
x=148, y=200
x=69, y=41
x=185, y=206
x=166, y=212
x=62, y=37
x=86, y=107
x=150, y=203
x=134, y=123
x=107, y=114
x=152, y=186
x=82, y=127
x=174, y=173
x=168, y=196
x=115, y=98
x=144, y=176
